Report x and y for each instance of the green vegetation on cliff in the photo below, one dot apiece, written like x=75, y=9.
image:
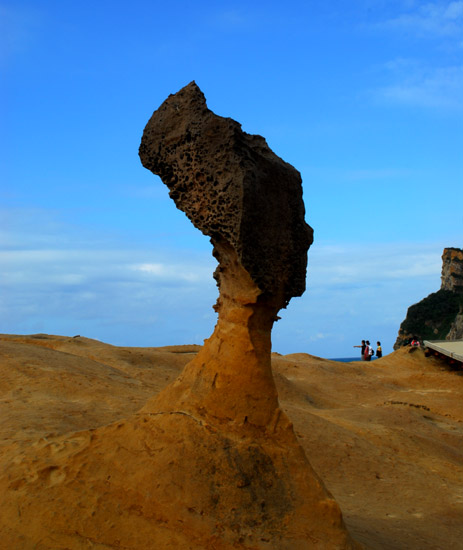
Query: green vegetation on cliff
x=432, y=318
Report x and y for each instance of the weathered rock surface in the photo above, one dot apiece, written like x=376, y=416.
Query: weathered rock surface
x=439, y=316
x=211, y=461
x=452, y=270
x=233, y=188
x=456, y=328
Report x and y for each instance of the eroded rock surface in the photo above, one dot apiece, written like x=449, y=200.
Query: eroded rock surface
x=233, y=188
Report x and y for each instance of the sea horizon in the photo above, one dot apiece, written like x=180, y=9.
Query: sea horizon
x=348, y=359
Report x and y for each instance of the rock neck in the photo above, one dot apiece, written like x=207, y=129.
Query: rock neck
x=231, y=380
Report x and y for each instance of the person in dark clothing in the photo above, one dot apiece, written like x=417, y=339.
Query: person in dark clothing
x=363, y=346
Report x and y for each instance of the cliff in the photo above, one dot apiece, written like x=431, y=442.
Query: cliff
x=439, y=316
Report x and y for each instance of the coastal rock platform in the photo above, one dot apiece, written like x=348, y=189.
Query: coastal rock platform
x=385, y=437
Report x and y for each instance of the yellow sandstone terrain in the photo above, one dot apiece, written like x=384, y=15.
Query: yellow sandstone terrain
x=385, y=437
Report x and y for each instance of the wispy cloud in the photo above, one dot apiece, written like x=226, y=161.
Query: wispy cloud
x=416, y=85
x=429, y=19
x=118, y=294
x=155, y=297
x=434, y=79
x=178, y=271
x=366, y=265
x=355, y=292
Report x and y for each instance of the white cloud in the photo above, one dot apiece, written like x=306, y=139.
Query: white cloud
x=354, y=292
x=175, y=271
x=152, y=297
x=58, y=279
x=430, y=19
x=430, y=87
x=319, y=336
x=155, y=269
x=83, y=267
x=331, y=266
x=434, y=80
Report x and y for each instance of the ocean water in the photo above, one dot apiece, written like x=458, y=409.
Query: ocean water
x=348, y=359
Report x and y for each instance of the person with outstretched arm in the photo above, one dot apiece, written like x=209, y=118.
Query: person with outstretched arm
x=363, y=346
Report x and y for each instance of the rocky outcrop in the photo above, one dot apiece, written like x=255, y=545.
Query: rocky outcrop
x=439, y=316
x=212, y=461
x=456, y=328
x=452, y=270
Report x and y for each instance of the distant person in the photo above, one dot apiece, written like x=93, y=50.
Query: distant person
x=415, y=343
x=379, y=350
x=368, y=351
x=363, y=346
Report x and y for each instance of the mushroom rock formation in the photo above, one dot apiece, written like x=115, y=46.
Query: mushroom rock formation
x=211, y=461
x=249, y=201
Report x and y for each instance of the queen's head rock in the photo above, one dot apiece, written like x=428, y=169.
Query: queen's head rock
x=234, y=189
x=249, y=202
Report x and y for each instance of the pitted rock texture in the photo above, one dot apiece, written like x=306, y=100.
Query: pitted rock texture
x=233, y=188
x=249, y=201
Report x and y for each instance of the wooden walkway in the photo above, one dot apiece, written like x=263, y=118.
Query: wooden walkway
x=452, y=349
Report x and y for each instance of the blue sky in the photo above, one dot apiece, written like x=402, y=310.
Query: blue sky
x=364, y=98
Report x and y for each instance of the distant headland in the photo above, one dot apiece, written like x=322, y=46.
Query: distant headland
x=439, y=316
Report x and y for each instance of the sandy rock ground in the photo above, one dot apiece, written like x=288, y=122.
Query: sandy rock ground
x=385, y=437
